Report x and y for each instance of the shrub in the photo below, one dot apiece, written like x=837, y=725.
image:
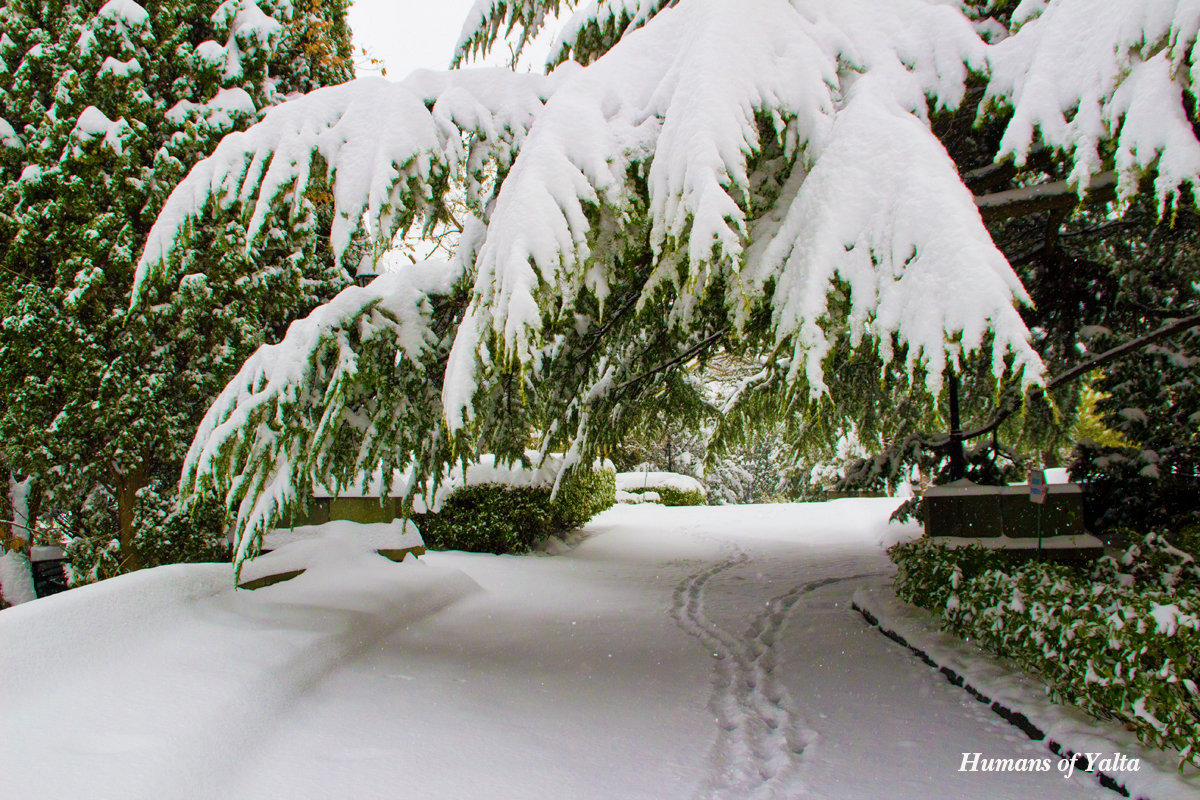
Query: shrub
x=497, y=518
x=1121, y=642
x=672, y=489
x=679, y=497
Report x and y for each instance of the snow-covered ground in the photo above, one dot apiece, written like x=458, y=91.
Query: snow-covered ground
x=673, y=653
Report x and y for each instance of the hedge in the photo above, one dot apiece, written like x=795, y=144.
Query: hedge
x=1122, y=641
x=497, y=518
x=674, y=497
x=673, y=489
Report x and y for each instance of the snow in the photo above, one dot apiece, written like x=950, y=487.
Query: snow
x=120, y=69
x=93, y=123
x=671, y=653
x=638, y=497
x=16, y=579
x=8, y=136
x=248, y=28
x=1066, y=542
x=370, y=536
x=210, y=52
x=126, y=14
x=1080, y=74
x=1168, y=618
x=16, y=576
x=220, y=112
x=336, y=545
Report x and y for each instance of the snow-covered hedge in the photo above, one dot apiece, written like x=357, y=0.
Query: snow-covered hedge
x=515, y=515
x=670, y=488
x=1122, y=641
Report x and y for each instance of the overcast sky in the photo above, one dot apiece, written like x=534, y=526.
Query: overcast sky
x=409, y=34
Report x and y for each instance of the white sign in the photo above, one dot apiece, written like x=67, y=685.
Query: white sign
x=1037, y=486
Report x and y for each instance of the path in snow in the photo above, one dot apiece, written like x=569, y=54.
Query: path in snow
x=676, y=653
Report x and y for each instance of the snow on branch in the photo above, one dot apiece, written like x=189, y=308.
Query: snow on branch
x=484, y=22
x=599, y=24
x=384, y=147
x=680, y=104
x=893, y=222
x=308, y=410
x=763, y=154
x=1081, y=76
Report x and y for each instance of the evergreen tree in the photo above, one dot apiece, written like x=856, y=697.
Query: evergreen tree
x=763, y=177
x=104, y=108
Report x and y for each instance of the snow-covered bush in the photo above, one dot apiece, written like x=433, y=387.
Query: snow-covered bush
x=1153, y=563
x=929, y=572
x=672, y=488
x=1110, y=642
x=510, y=517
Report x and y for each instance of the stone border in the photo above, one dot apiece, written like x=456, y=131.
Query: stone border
x=1014, y=718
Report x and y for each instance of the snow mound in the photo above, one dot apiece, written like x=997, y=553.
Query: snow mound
x=334, y=546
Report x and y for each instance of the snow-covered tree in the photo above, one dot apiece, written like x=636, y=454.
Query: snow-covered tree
x=759, y=175
x=104, y=106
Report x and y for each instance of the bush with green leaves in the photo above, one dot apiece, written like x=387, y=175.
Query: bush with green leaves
x=1120, y=641
x=672, y=489
x=679, y=497
x=498, y=518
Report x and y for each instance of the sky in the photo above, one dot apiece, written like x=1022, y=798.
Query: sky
x=411, y=34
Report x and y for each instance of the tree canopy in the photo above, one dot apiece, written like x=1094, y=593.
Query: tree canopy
x=766, y=175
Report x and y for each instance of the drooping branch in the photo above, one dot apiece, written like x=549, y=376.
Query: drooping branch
x=1108, y=356
x=1010, y=401
x=1044, y=197
x=694, y=350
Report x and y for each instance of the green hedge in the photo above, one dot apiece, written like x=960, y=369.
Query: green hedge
x=1121, y=641
x=674, y=497
x=496, y=518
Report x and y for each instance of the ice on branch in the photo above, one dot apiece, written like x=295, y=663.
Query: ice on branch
x=1079, y=75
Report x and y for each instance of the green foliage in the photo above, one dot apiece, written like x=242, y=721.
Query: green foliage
x=583, y=494
x=110, y=109
x=1118, y=643
x=495, y=518
x=168, y=534
x=670, y=496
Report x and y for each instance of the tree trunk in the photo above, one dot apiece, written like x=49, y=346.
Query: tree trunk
x=127, y=486
x=958, y=459
x=6, y=506
x=18, y=506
